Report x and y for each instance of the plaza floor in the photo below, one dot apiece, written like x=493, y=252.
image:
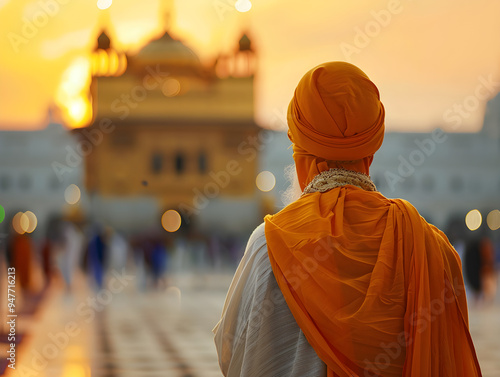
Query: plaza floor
x=122, y=332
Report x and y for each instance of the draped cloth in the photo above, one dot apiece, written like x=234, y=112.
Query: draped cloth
x=376, y=290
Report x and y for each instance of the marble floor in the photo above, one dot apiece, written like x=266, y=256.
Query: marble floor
x=119, y=331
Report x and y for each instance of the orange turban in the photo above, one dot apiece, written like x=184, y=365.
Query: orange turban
x=376, y=290
x=336, y=113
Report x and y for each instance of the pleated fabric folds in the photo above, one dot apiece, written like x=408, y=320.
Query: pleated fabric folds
x=376, y=290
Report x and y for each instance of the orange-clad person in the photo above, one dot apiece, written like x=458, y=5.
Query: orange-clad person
x=22, y=259
x=343, y=281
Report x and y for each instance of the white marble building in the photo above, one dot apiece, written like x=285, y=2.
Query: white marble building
x=36, y=167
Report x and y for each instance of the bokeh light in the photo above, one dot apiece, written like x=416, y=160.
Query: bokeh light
x=20, y=222
x=473, y=219
x=243, y=6
x=32, y=221
x=493, y=219
x=24, y=222
x=108, y=63
x=265, y=181
x=171, y=87
x=104, y=4
x=72, y=194
x=2, y=214
x=171, y=220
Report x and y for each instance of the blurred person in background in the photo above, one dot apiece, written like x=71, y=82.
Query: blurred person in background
x=344, y=281
x=67, y=249
x=199, y=252
x=151, y=259
x=139, y=260
x=118, y=250
x=488, y=272
x=96, y=254
x=496, y=244
x=21, y=252
x=472, y=267
x=159, y=264
x=180, y=261
x=233, y=249
x=51, y=237
x=214, y=252
x=479, y=267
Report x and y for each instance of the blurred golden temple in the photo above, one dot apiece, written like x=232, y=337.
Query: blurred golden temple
x=169, y=128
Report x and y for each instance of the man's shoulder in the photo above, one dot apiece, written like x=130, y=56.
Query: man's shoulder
x=256, y=250
x=257, y=238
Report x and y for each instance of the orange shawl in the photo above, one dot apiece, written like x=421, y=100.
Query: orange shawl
x=376, y=290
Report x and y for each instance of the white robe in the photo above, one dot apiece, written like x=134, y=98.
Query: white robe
x=257, y=335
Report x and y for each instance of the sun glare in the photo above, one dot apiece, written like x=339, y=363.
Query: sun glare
x=72, y=94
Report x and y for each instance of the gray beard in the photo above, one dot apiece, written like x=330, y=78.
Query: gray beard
x=293, y=191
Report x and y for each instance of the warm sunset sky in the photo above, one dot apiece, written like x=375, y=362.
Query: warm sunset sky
x=428, y=56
